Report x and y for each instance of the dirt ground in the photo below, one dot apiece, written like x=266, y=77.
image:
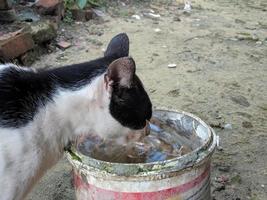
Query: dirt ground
x=220, y=49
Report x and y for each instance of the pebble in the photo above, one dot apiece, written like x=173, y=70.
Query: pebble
x=187, y=6
x=241, y=100
x=222, y=179
x=63, y=45
x=136, y=17
x=152, y=15
x=99, y=13
x=172, y=65
x=228, y=127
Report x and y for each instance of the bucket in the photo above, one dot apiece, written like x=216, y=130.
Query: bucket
x=183, y=178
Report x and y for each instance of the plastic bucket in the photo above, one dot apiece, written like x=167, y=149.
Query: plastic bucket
x=182, y=178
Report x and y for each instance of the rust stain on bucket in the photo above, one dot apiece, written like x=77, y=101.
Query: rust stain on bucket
x=182, y=178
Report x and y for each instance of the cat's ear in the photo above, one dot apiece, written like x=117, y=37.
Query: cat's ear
x=118, y=47
x=121, y=72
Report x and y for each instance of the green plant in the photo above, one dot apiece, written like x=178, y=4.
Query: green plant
x=68, y=4
x=68, y=17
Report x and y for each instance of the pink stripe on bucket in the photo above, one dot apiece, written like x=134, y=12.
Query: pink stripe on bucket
x=99, y=193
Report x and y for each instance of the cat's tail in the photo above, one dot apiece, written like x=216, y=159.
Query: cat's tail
x=118, y=47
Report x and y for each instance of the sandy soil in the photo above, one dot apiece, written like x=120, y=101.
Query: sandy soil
x=221, y=54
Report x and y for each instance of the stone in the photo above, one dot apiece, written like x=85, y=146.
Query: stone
x=5, y=4
x=152, y=15
x=15, y=46
x=43, y=31
x=228, y=127
x=63, y=45
x=222, y=179
x=28, y=15
x=172, y=65
x=8, y=16
x=241, y=100
x=136, y=17
x=51, y=7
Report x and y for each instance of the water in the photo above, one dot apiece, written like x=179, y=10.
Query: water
x=164, y=142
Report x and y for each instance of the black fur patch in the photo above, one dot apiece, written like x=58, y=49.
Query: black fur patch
x=131, y=106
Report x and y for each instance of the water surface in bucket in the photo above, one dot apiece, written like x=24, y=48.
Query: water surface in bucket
x=164, y=142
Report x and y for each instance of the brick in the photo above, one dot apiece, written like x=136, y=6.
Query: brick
x=5, y=4
x=15, y=46
x=50, y=7
x=47, y=3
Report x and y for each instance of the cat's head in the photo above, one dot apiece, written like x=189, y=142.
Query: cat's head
x=129, y=103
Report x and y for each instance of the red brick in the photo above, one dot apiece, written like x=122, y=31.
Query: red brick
x=16, y=46
x=51, y=7
x=47, y=3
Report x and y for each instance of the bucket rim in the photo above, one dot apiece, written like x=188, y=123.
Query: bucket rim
x=191, y=159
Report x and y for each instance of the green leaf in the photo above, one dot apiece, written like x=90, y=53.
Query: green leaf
x=94, y=3
x=81, y=3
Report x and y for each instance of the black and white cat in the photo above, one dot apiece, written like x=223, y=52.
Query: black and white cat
x=41, y=111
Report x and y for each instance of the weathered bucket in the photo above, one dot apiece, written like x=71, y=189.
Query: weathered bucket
x=182, y=178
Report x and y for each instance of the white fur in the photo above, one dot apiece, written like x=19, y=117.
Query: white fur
x=71, y=114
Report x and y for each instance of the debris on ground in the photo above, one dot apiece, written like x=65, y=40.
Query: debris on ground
x=228, y=127
x=157, y=30
x=63, y=45
x=136, y=17
x=172, y=65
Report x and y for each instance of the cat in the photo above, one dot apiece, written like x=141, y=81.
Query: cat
x=41, y=111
